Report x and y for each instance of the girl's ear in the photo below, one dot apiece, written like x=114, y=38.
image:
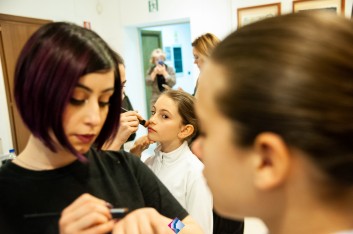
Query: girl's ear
x=272, y=164
x=186, y=131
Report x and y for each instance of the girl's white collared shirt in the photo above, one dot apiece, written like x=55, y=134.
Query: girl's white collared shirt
x=181, y=172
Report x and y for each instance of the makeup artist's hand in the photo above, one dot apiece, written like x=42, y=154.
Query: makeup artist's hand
x=140, y=145
x=87, y=214
x=129, y=123
x=141, y=221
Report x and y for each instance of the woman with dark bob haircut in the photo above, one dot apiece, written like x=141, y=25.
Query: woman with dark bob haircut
x=283, y=104
x=68, y=92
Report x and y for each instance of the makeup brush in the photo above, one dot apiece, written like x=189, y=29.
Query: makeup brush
x=142, y=121
x=115, y=212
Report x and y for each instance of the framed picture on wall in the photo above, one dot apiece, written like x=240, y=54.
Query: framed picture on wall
x=248, y=15
x=334, y=6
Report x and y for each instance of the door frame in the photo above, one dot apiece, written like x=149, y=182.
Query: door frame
x=9, y=98
x=148, y=90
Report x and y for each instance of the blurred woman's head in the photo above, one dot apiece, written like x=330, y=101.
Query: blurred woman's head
x=157, y=55
x=202, y=48
x=279, y=117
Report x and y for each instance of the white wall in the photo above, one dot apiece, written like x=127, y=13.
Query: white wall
x=286, y=7
x=204, y=16
x=101, y=13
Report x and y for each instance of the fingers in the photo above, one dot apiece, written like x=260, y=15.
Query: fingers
x=83, y=200
x=85, y=214
x=101, y=229
x=88, y=222
x=129, y=123
x=144, y=142
x=129, y=117
x=143, y=221
x=140, y=145
x=166, y=87
x=133, y=118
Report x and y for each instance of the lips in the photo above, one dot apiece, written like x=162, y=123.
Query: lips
x=151, y=130
x=85, y=138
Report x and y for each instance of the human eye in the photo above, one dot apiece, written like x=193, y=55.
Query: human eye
x=104, y=101
x=104, y=104
x=77, y=102
x=78, y=98
x=165, y=116
x=153, y=112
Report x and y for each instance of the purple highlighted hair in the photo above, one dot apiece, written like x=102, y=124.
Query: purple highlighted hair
x=47, y=71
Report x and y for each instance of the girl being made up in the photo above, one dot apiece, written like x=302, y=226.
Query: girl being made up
x=172, y=124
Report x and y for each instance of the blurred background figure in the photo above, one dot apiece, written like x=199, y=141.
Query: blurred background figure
x=129, y=118
x=126, y=104
x=202, y=48
x=276, y=119
x=160, y=76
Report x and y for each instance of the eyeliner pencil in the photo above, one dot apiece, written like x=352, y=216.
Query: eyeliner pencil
x=115, y=212
x=141, y=121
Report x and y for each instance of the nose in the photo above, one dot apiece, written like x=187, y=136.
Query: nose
x=93, y=114
x=152, y=119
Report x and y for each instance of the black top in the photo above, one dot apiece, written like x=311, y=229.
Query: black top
x=160, y=78
x=223, y=225
x=126, y=104
x=117, y=177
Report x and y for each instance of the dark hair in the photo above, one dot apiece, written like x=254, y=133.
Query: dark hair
x=186, y=108
x=118, y=58
x=205, y=43
x=48, y=69
x=293, y=75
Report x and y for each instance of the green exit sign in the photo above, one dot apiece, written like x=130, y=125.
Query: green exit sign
x=152, y=5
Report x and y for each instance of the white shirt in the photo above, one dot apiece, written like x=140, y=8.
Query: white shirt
x=181, y=172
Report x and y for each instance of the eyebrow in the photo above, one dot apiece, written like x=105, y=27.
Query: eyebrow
x=165, y=111
x=154, y=109
x=90, y=90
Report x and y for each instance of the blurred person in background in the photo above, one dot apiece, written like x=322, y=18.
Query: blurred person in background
x=160, y=76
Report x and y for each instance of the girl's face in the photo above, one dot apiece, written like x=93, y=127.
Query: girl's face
x=87, y=110
x=198, y=58
x=225, y=164
x=165, y=122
